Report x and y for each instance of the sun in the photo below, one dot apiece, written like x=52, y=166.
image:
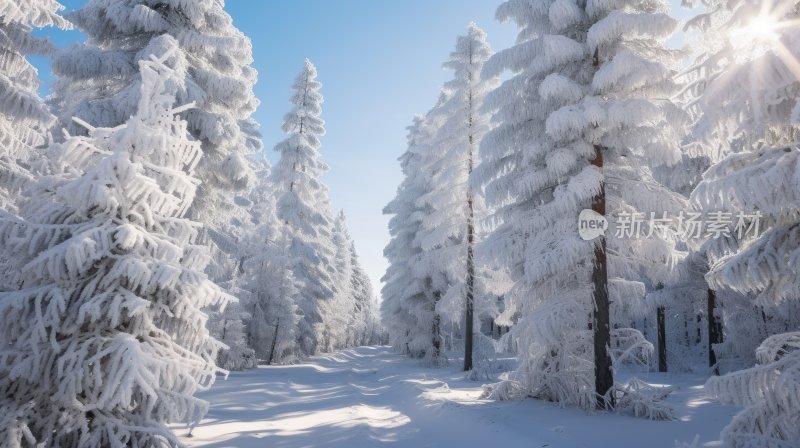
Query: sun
x=763, y=28
x=758, y=36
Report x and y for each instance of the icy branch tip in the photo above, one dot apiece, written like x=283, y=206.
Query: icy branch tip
x=83, y=123
x=183, y=108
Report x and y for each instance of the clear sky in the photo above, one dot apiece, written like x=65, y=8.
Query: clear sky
x=379, y=62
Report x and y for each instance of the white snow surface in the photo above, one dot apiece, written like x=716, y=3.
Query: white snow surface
x=371, y=396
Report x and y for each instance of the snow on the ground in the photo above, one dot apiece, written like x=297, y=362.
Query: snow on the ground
x=370, y=396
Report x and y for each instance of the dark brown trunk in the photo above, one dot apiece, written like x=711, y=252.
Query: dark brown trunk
x=470, y=284
x=714, y=330
x=603, y=377
x=662, y=340
x=436, y=340
x=468, y=323
x=274, y=341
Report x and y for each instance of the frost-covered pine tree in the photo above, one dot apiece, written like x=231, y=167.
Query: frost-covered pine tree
x=98, y=81
x=104, y=343
x=24, y=118
x=367, y=324
x=448, y=231
x=341, y=313
x=265, y=277
x=408, y=308
x=750, y=116
x=303, y=208
x=352, y=315
x=583, y=117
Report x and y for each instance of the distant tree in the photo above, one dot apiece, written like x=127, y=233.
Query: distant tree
x=367, y=322
x=105, y=344
x=340, y=314
x=303, y=209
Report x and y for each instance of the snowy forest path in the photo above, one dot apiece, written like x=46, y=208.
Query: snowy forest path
x=370, y=396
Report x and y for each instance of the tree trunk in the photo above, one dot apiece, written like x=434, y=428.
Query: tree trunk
x=603, y=376
x=470, y=238
x=662, y=340
x=714, y=330
x=436, y=331
x=470, y=284
x=274, y=341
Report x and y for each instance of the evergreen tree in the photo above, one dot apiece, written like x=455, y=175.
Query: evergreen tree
x=448, y=232
x=24, y=119
x=98, y=82
x=341, y=314
x=408, y=308
x=749, y=120
x=105, y=343
x=303, y=209
x=578, y=125
x=367, y=329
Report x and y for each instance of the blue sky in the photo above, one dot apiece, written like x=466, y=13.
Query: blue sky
x=379, y=62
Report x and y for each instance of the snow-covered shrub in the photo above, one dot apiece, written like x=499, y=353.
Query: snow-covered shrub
x=238, y=358
x=105, y=343
x=643, y=400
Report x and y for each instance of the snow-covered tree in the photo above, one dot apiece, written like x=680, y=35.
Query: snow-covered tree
x=408, y=308
x=352, y=314
x=749, y=119
x=340, y=313
x=367, y=328
x=24, y=118
x=304, y=210
x=265, y=277
x=99, y=81
x=105, y=342
x=447, y=234
x=583, y=117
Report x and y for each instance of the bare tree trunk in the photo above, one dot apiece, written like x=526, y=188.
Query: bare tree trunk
x=470, y=238
x=470, y=284
x=436, y=331
x=603, y=376
x=274, y=341
x=714, y=330
x=698, y=325
x=469, y=318
x=662, y=339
